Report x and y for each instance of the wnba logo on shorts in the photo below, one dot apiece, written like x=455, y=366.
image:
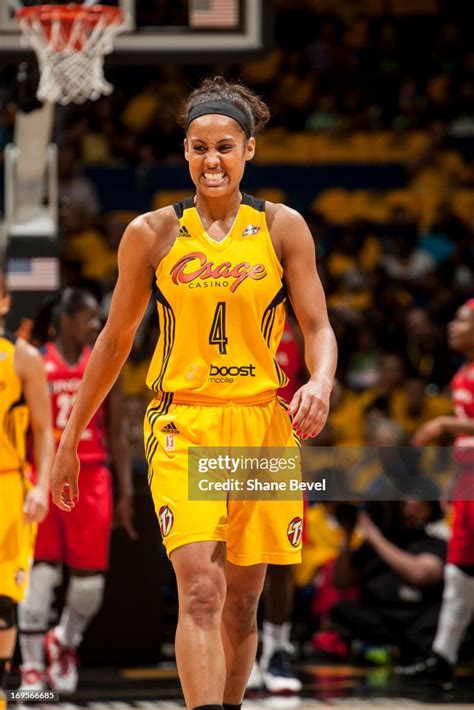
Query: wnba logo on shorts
x=166, y=519
x=295, y=531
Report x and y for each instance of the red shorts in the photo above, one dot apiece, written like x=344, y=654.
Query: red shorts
x=461, y=544
x=80, y=538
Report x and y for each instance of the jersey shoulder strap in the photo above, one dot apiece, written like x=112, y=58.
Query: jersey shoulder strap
x=186, y=204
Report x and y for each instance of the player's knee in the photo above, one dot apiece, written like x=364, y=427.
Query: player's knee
x=7, y=613
x=34, y=611
x=203, y=600
x=85, y=594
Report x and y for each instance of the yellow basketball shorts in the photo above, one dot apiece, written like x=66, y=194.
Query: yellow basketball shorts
x=255, y=531
x=17, y=537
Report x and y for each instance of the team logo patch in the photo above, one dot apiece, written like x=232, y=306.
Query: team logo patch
x=166, y=520
x=250, y=230
x=170, y=428
x=183, y=232
x=295, y=531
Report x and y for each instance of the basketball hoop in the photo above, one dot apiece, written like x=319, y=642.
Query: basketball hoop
x=70, y=42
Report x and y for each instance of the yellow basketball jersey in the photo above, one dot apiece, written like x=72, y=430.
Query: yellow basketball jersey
x=13, y=411
x=220, y=309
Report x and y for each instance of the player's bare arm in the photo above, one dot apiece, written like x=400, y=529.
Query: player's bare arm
x=453, y=426
x=30, y=368
x=120, y=454
x=295, y=247
x=143, y=244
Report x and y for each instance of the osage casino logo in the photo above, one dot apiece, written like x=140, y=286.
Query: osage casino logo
x=194, y=267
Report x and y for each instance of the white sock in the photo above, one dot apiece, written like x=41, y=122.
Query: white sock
x=274, y=637
x=33, y=613
x=83, y=601
x=456, y=612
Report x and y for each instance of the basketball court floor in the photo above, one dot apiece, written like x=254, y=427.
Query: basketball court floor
x=325, y=686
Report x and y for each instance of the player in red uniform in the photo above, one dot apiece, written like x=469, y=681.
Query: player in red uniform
x=458, y=599
x=79, y=540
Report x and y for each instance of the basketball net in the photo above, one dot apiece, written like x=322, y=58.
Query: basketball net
x=70, y=42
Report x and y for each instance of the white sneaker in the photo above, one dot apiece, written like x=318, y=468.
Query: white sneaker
x=62, y=665
x=279, y=676
x=256, y=682
x=33, y=677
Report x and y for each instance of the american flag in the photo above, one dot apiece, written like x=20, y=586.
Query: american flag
x=214, y=13
x=35, y=274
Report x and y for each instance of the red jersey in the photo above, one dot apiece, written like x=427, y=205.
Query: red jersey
x=290, y=359
x=462, y=388
x=63, y=382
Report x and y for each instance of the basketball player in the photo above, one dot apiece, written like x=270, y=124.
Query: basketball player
x=23, y=399
x=458, y=599
x=79, y=540
x=218, y=260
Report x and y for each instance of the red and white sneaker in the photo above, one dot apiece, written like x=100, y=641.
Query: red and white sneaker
x=33, y=677
x=62, y=664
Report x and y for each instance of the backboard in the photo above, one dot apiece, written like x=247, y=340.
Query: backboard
x=159, y=30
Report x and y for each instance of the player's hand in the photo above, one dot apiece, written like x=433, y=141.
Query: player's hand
x=65, y=479
x=428, y=432
x=36, y=505
x=124, y=514
x=367, y=527
x=309, y=408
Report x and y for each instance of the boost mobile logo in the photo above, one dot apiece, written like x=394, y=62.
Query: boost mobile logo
x=221, y=375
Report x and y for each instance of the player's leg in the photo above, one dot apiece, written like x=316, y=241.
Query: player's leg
x=17, y=540
x=194, y=532
x=83, y=600
x=276, y=647
x=456, y=612
x=7, y=638
x=87, y=534
x=239, y=627
x=34, y=611
x=33, y=615
x=267, y=530
x=200, y=575
x=458, y=598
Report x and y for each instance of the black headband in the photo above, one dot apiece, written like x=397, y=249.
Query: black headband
x=223, y=108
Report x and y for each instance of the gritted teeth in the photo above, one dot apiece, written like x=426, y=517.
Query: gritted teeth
x=216, y=177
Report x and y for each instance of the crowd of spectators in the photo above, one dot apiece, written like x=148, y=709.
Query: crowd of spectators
x=327, y=72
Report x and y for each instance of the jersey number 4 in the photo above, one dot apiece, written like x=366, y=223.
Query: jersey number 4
x=217, y=334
